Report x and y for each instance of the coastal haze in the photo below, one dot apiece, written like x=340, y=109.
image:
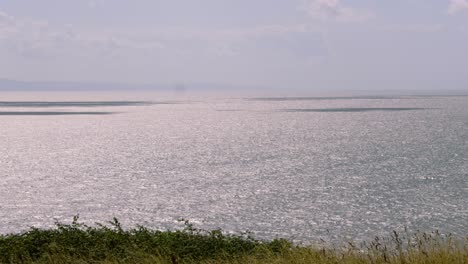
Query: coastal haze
x=285, y=45
x=297, y=167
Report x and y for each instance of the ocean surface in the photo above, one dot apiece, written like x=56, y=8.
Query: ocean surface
x=303, y=168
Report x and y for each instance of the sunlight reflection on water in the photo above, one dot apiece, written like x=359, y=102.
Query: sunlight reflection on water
x=238, y=164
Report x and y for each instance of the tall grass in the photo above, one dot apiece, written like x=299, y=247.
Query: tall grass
x=80, y=243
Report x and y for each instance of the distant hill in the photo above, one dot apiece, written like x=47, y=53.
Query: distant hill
x=12, y=85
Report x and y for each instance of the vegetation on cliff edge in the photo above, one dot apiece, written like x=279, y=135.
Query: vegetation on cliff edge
x=80, y=243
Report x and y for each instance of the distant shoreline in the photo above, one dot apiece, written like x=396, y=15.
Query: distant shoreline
x=9, y=85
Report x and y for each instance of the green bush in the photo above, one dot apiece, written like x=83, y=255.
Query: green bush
x=80, y=243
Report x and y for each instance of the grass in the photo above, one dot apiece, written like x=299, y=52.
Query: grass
x=79, y=243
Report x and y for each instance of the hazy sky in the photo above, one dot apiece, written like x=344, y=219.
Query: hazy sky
x=307, y=44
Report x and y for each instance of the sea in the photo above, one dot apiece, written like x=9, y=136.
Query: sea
x=305, y=168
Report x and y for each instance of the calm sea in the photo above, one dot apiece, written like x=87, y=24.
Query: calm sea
x=297, y=167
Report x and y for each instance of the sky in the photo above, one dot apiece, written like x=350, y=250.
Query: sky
x=285, y=44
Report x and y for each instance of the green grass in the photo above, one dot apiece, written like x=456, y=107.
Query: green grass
x=79, y=243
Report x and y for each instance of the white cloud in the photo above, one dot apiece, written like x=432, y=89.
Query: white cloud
x=334, y=9
x=457, y=6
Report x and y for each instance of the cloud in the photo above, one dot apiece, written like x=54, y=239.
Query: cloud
x=186, y=42
x=334, y=9
x=95, y=3
x=5, y=19
x=42, y=49
x=457, y=6
x=415, y=28
x=35, y=39
x=31, y=38
x=7, y=24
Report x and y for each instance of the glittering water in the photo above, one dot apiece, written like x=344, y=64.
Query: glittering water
x=289, y=167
